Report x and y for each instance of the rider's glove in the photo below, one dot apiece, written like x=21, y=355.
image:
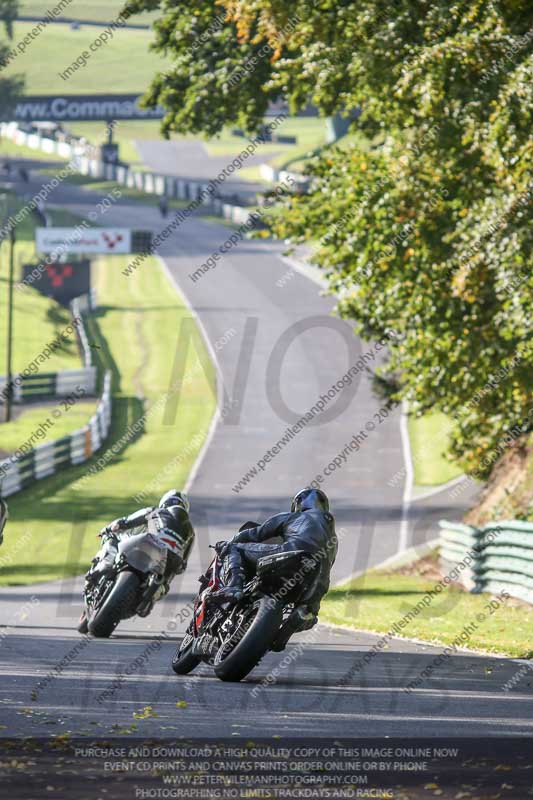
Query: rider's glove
x=113, y=528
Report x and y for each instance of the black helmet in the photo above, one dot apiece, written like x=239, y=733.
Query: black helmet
x=310, y=499
x=174, y=498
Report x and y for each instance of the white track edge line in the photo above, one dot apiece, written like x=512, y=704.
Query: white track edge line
x=408, y=487
x=435, y=645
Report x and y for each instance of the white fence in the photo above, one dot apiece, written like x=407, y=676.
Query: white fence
x=151, y=183
x=79, y=306
x=300, y=182
x=44, y=385
x=20, y=471
x=62, y=383
x=35, y=141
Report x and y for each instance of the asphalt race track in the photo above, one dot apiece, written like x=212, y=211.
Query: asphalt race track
x=321, y=692
x=285, y=350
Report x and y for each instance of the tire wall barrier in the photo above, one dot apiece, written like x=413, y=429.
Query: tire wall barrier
x=20, y=471
x=501, y=556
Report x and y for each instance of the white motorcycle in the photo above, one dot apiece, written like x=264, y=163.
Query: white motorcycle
x=128, y=580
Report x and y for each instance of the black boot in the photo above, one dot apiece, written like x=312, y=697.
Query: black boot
x=300, y=620
x=232, y=592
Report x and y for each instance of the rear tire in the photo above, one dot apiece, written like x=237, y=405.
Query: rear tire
x=120, y=603
x=184, y=661
x=254, y=644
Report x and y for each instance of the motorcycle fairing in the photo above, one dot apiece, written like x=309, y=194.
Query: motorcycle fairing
x=144, y=552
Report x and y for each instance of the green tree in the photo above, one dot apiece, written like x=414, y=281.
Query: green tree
x=211, y=83
x=11, y=87
x=427, y=231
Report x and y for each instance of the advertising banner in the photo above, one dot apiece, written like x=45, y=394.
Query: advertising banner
x=88, y=240
x=79, y=107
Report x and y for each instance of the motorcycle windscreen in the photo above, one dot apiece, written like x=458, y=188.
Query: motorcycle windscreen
x=144, y=553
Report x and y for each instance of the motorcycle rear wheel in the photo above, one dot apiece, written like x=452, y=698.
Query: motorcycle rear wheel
x=184, y=661
x=119, y=604
x=254, y=644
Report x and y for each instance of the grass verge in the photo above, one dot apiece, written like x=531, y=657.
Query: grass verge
x=136, y=331
x=37, y=320
x=125, y=59
x=309, y=131
x=429, y=436
x=63, y=422
x=378, y=599
x=98, y=10
x=125, y=133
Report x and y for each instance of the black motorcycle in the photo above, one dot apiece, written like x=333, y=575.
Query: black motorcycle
x=128, y=587
x=233, y=638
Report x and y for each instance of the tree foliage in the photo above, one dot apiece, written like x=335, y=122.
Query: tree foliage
x=8, y=14
x=428, y=230
x=208, y=85
x=9, y=87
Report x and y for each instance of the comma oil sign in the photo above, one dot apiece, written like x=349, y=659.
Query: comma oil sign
x=65, y=108
x=86, y=240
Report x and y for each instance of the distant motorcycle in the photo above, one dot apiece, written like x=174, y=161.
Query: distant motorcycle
x=129, y=586
x=233, y=638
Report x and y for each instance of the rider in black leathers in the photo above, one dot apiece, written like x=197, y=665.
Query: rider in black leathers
x=308, y=526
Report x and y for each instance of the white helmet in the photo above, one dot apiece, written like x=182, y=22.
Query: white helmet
x=175, y=498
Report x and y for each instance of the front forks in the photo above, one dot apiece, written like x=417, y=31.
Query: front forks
x=151, y=594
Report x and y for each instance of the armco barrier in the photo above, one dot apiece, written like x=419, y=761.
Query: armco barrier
x=501, y=556
x=168, y=186
x=45, y=385
x=81, y=305
x=60, y=384
x=46, y=459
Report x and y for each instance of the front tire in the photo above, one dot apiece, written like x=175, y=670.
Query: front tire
x=83, y=625
x=184, y=661
x=120, y=603
x=254, y=644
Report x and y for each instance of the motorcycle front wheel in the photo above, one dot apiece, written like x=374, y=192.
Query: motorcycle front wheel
x=254, y=635
x=83, y=625
x=120, y=603
x=184, y=661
